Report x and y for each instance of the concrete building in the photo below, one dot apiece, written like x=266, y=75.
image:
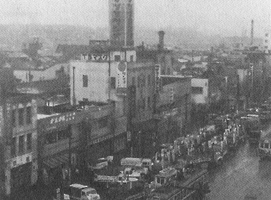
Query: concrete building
x=199, y=90
x=20, y=133
x=173, y=107
x=101, y=77
x=141, y=106
x=73, y=140
x=121, y=23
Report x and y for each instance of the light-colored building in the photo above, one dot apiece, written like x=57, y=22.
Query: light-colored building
x=199, y=90
x=121, y=22
x=267, y=41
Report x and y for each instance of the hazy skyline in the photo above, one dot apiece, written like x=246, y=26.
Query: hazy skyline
x=225, y=17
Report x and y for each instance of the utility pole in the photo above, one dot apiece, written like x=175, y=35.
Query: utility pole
x=237, y=93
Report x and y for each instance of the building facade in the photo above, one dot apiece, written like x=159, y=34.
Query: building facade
x=121, y=22
x=173, y=107
x=199, y=90
x=20, y=116
x=141, y=107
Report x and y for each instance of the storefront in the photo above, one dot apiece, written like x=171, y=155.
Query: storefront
x=20, y=177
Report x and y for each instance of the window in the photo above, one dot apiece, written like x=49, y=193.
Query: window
x=29, y=141
x=266, y=34
x=149, y=79
x=132, y=58
x=13, y=146
x=13, y=116
x=51, y=138
x=63, y=134
x=266, y=145
x=102, y=122
x=143, y=81
x=28, y=115
x=85, y=80
x=197, y=90
x=117, y=57
x=168, y=70
x=113, y=82
x=21, y=144
x=133, y=80
x=143, y=104
x=138, y=81
x=21, y=116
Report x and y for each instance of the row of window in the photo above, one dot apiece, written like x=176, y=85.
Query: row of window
x=21, y=116
x=56, y=136
x=24, y=145
x=142, y=81
x=143, y=104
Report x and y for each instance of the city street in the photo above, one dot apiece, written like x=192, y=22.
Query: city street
x=242, y=176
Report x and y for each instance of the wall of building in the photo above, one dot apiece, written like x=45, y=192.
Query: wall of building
x=122, y=32
x=39, y=75
x=21, y=155
x=199, y=90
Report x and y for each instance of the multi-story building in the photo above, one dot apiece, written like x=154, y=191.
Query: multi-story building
x=121, y=22
x=141, y=106
x=101, y=76
x=173, y=107
x=70, y=140
x=20, y=133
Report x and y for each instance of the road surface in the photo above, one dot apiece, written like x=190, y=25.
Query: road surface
x=242, y=176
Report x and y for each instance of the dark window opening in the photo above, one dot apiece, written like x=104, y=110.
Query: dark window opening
x=113, y=82
x=21, y=116
x=103, y=122
x=21, y=144
x=131, y=58
x=117, y=58
x=13, y=147
x=28, y=115
x=29, y=141
x=197, y=90
x=133, y=80
x=13, y=118
x=85, y=81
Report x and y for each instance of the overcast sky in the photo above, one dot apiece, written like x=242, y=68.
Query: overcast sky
x=212, y=16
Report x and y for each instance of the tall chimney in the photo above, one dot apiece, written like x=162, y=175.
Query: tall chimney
x=161, y=40
x=252, y=32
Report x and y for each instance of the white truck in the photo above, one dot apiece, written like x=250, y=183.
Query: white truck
x=80, y=192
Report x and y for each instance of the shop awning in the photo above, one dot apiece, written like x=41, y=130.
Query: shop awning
x=57, y=160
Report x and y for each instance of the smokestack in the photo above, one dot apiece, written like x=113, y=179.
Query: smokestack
x=252, y=32
x=161, y=40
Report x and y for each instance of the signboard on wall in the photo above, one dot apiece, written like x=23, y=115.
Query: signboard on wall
x=94, y=57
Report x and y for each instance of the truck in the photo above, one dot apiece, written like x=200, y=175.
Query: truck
x=253, y=128
x=80, y=192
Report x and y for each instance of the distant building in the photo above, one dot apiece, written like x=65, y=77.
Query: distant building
x=199, y=90
x=267, y=42
x=121, y=23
